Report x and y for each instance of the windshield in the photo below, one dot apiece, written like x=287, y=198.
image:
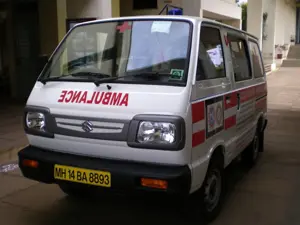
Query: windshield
x=124, y=49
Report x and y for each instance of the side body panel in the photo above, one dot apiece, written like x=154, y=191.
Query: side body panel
x=209, y=115
x=241, y=103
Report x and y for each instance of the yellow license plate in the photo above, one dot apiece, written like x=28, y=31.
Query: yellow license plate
x=84, y=176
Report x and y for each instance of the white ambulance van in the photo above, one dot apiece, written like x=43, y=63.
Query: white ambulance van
x=152, y=103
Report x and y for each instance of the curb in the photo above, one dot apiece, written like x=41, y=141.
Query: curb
x=10, y=155
x=2, y=152
x=269, y=73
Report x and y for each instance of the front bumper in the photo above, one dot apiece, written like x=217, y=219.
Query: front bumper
x=125, y=176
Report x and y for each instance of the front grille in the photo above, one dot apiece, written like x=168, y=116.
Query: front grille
x=95, y=128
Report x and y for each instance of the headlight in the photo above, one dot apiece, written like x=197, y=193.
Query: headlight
x=156, y=132
x=35, y=120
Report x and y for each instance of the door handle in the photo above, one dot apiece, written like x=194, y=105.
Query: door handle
x=238, y=101
x=200, y=85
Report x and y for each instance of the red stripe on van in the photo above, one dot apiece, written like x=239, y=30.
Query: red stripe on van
x=198, y=112
x=247, y=94
x=198, y=138
x=230, y=122
x=261, y=90
x=230, y=100
x=261, y=103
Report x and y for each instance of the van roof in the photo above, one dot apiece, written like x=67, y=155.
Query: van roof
x=189, y=18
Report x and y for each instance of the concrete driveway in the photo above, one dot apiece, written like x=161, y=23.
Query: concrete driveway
x=266, y=195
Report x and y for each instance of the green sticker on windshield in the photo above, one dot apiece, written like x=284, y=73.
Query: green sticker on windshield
x=177, y=74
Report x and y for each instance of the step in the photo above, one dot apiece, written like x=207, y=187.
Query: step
x=294, y=52
x=268, y=68
x=291, y=63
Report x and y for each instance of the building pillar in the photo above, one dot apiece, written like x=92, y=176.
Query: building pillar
x=61, y=18
x=270, y=32
x=110, y=8
x=115, y=8
x=254, y=19
x=297, y=31
x=289, y=21
x=280, y=22
x=234, y=23
x=106, y=8
x=48, y=26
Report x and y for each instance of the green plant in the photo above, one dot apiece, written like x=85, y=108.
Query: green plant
x=244, y=16
x=265, y=17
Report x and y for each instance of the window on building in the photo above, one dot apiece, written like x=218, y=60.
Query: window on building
x=240, y=58
x=210, y=58
x=145, y=4
x=256, y=60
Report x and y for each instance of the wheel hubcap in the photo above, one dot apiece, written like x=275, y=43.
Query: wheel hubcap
x=213, y=190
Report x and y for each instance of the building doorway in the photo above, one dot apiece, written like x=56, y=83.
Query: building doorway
x=19, y=48
x=297, y=25
x=27, y=47
x=4, y=73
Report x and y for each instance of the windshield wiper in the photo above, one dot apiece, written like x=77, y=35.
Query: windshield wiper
x=91, y=76
x=99, y=78
x=151, y=75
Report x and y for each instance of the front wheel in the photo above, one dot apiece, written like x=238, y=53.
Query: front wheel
x=208, y=200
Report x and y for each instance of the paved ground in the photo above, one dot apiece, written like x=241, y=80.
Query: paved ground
x=11, y=132
x=266, y=195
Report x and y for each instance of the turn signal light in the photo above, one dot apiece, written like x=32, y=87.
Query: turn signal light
x=154, y=183
x=30, y=163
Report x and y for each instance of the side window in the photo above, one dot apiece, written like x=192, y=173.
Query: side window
x=240, y=60
x=256, y=59
x=210, y=58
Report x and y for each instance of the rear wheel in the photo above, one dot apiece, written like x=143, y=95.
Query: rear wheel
x=251, y=153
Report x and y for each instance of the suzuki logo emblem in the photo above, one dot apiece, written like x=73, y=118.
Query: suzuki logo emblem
x=87, y=126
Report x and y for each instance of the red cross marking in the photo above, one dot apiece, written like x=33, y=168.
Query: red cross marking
x=124, y=27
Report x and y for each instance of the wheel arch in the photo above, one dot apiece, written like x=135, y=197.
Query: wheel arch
x=218, y=151
x=260, y=121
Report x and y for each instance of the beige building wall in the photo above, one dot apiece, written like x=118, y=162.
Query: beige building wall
x=115, y=8
x=234, y=23
x=48, y=26
x=126, y=7
x=92, y=8
x=223, y=9
x=227, y=8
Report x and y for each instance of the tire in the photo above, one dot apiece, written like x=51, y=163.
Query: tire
x=251, y=154
x=207, y=202
x=262, y=142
